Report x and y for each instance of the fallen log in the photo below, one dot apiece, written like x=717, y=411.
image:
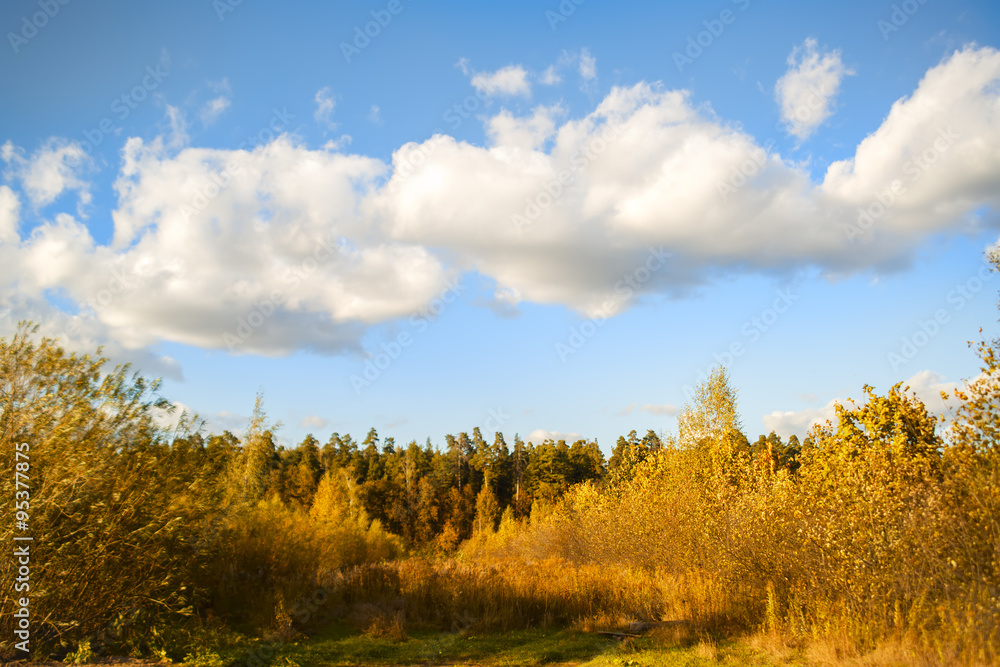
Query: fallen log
x=643, y=626
x=618, y=635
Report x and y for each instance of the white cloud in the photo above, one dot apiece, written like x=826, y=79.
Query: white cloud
x=350, y=241
x=588, y=65
x=325, y=104
x=10, y=209
x=375, y=115
x=286, y=223
x=928, y=387
x=178, y=128
x=168, y=421
x=584, y=62
x=958, y=102
x=791, y=422
x=528, y=134
x=313, y=421
x=511, y=80
x=214, y=108
x=550, y=76
x=50, y=171
x=540, y=435
x=661, y=164
x=925, y=385
x=225, y=420
x=76, y=333
x=806, y=92
x=661, y=410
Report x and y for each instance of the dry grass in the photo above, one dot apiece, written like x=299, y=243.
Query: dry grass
x=387, y=626
x=707, y=649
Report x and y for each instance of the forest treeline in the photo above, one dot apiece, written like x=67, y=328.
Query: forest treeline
x=435, y=497
x=881, y=528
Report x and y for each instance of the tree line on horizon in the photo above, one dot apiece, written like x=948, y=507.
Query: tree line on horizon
x=437, y=497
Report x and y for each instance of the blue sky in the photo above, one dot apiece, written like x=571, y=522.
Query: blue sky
x=528, y=217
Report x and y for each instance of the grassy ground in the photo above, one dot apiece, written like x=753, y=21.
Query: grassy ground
x=340, y=646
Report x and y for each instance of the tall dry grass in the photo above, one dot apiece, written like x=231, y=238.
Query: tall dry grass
x=886, y=536
x=505, y=595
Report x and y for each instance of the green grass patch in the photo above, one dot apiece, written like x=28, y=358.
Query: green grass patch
x=339, y=645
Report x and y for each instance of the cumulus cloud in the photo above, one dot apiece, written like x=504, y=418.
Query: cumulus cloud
x=325, y=104
x=51, y=170
x=527, y=134
x=10, y=208
x=76, y=332
x=285, y=241
x=661, y=410
x=662, y=179
x=313, y=421
x=540, y=435
x=792, y=422
x=301, y=248
x=806, y=92
x=925, y=385
x=510, y=81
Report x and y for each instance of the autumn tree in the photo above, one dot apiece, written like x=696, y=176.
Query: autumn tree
x=711, y=424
